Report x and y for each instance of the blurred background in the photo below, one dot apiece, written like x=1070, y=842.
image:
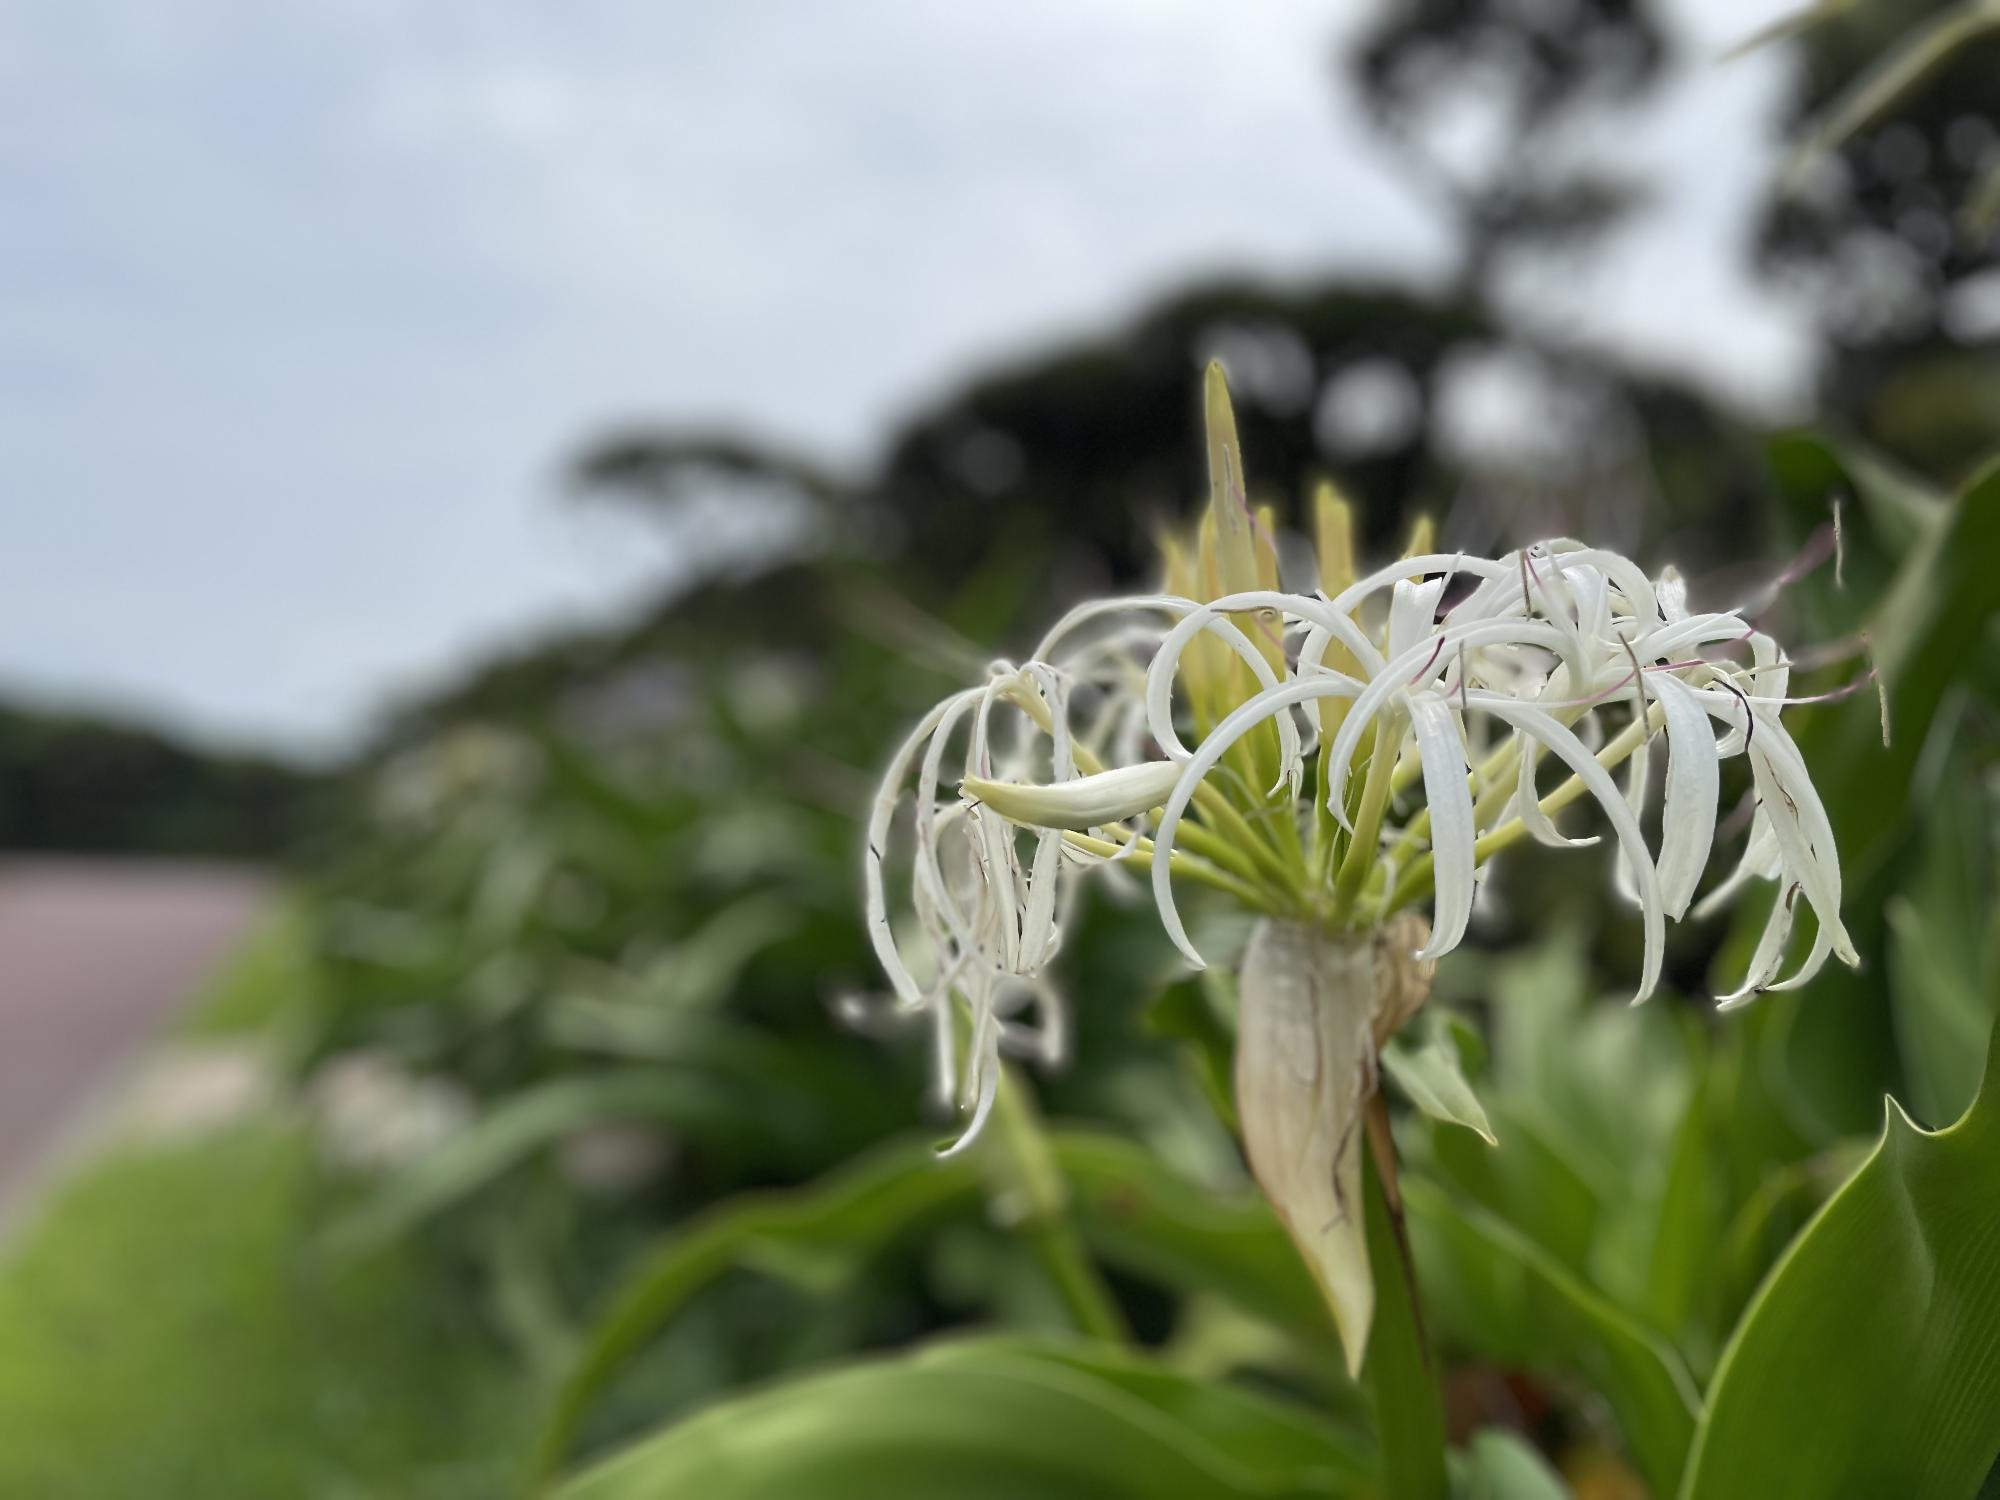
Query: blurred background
x=485, y=487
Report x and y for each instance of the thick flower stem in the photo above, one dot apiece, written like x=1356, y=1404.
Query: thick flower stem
x=1399, y=1375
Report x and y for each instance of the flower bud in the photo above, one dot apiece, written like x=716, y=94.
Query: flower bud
x=1084, y=802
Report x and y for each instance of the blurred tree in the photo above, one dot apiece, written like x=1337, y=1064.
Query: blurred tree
x=77, y=784
x=1889, y=219
x=1482, y=99
x=1078, y=454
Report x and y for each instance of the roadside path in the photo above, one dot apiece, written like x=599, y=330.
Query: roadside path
x=96, y=956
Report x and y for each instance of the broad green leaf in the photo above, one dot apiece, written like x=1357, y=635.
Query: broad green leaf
x=1869, y=1363
x=1493, y=1292
x=1432, y=1076
x=987, y=1419
x=819, y=1230
x=1943, y=981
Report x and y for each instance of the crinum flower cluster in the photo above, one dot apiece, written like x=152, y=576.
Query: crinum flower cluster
x=1333, y=758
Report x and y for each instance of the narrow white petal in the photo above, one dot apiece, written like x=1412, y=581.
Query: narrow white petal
x=1412, y=613
x=1528, y=808
x=983, y=1077
x=880, y=816
x=1356, y=593
x=1396, y=676
x=1769, y=954
x=1450, y=799
x=1671, y=590
x=1693, y=787
x=1565, y=745
x=1212, y=617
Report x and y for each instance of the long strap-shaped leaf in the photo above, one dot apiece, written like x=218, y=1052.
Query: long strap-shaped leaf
x=1869, y=1363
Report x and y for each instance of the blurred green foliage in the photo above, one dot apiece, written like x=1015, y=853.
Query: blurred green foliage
x=601, y=897
x=166, y=1328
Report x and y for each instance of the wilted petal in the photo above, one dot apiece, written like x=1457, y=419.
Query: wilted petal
x=1304, y=1071
x=879, y=818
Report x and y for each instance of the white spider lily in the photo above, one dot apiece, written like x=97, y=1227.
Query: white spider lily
x=1179, y=731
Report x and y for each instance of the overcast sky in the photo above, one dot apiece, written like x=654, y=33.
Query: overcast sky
x=303, y=305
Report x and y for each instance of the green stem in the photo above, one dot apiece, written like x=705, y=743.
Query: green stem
x=1028, y=1172
x=1400, y=1377
x=1256, y=897
x=1362, y=851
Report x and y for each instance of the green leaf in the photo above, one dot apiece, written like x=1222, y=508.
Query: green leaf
x=1499, y=1465
x=1493, y=1292
x=1869, y=1363
x=988, y=1419
x=1432, y=1077
x=1687, y=1231
x=1896, y=72
x=1942, y=965
x=1149, y=1220
x=821, y=1232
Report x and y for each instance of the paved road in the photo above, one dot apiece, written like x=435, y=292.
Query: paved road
x=95, y=957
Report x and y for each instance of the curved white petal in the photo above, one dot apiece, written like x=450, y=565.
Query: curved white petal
x=1445, y=787
x=1528, y=808
x=880, y=816
x=1565, y=745
x=1693, y=786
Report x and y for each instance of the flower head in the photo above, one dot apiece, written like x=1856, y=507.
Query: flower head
x=1333, y=756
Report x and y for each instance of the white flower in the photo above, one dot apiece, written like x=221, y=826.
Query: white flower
x=1551, y=638
x=1313, y=715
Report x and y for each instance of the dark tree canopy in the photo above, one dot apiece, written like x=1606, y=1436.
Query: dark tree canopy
x=1892, y=235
